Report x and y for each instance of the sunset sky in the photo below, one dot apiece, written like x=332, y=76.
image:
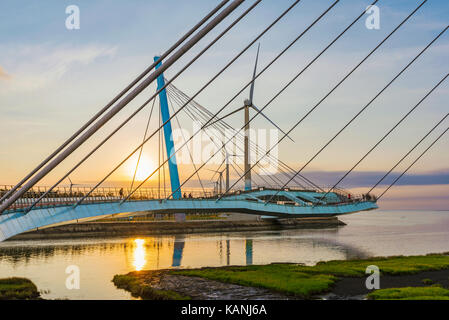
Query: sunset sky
x=52, y=80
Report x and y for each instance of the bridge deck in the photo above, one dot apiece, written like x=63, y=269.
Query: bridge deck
x=18, y=222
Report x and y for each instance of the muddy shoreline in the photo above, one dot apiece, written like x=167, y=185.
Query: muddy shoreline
x=146, y=228
x=354, y=288
x=203, y=289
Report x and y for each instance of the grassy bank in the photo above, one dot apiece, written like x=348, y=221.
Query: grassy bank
x=285, y=278
x=18, y=288
x=410, y=293
x=308, y=281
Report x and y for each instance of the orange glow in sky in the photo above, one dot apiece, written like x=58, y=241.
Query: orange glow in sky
x=146, y=167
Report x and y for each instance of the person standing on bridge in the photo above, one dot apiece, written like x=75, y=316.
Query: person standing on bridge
x=121, y=192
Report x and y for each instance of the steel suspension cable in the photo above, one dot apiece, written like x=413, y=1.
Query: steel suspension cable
x=115, y=99
x=261, y=72
x=385, y=136
x=121, y=104
x=149, y=100
x=366, y=107
x=413, y=163
x=213, y=141
x=408, y=153
x=171, y=117
x=141, y=149
x=300, y=73
x=337, y=85
x=211, y=138
x=188, y=149
x=286, y=166
x=204, y=87
x=205, y=117
x=206, y=114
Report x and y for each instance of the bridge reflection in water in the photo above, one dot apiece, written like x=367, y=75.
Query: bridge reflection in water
x=178, y=251
x=44, y=261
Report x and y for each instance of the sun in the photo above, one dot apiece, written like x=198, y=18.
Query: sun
x=146, y=167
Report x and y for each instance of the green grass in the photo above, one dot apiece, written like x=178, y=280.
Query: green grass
x=292, y=279
x=306, y=281
x=277, y=277
x=398, y=265
x=410, y=293
x=18, y=288
x=131, y=282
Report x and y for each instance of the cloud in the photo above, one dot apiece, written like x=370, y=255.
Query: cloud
x=3, y=74
x=369, y=178
x=38, y=66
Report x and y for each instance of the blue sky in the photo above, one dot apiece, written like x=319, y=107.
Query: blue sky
x=53, y=79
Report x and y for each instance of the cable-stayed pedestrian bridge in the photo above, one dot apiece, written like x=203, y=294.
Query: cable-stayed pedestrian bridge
x=248, y=189
x=59, y=208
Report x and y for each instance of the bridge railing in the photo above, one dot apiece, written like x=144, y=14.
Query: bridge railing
x=64, y=196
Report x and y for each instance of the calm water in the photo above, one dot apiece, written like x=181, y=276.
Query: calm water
x=366, y=234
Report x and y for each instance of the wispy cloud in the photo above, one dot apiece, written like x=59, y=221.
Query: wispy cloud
x=38, y=66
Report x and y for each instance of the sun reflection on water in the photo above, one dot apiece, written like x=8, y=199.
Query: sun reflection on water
x=139, y=254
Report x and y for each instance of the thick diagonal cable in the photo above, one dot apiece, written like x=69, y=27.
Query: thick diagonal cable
x=198, y=92
x=141, y=149
x=143, y=105
x=413, y=163
x=293, y=79
x=115, y=99
x=331, y=91
x=224, y=68
x=384, y=137
x=262, y=71
x=366, y=107
x=121, y=104
x=408, y=153
x=441, y=33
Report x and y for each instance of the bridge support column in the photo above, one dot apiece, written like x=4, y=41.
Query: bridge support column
x=169, y=144
x=249, y=251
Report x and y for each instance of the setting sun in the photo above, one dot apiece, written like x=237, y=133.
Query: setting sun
x=146, y=167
